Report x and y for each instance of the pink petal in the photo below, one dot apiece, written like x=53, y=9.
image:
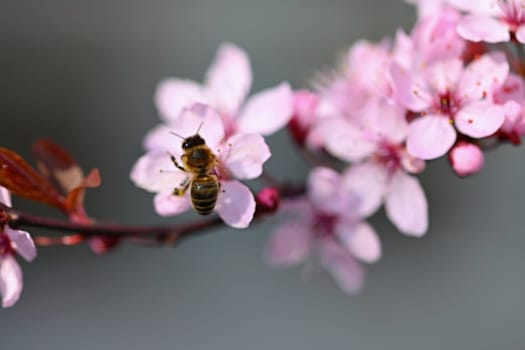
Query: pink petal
x=235, y=204
x=244, y=155
x=483, y=76
x=430, y=137
x=480, y=119
x=444, y=75
x=267, y=111
x=160, y=138
x=466, y=159
x=478, y=28
x=488, y=7
x=290, y=243
x=360, y=239
x=411, y=91
x=520, y=34
x=346, y=271
x=205, y=120
x=22, y=243
x=512, y=89
x=323, y=188
x=406, y=205
x=167, y=204
x=344, y=140
x=384, y=121
x=229, y=78
x=10, y=280
x=172, y=95
x=366, y=183
x=513, y=116
x=155, y=172
x=5, y=197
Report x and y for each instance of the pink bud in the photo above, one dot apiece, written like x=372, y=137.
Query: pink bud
x=268, y=199
x=466, y=159
x=103, y=244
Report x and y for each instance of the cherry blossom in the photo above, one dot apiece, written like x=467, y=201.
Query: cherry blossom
x=374, y=140
x=327, y=223
x=12, y=243
x=450, y=98
x=239, y=156
x=492, y=21
x=227, y=83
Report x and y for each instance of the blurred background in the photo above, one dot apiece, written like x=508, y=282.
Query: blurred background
x=83, y=73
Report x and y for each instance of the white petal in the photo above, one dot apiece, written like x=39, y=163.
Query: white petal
x=10, y=280
x=267, y=111
x=244, y=155
x=155, y=172
x=167, y=204
x=360, y=239
x=406, y=205
x=480, y=119
x=173, y=95
x=235, y=204
x=229, y=78
x=22, y=242
x=5, y=196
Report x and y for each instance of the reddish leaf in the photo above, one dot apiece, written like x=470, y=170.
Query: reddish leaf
x=19, y=178
x=57, y=165
x=75, y=198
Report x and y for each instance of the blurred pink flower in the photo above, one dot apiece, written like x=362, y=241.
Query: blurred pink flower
x=226, y=86
x=492, y=21
x=466, y=158
x=427, y=7
x=375, y=140
x=328, y=223
x=239, y=156
x=512, y=95
x=12, y=242
x=450, y=97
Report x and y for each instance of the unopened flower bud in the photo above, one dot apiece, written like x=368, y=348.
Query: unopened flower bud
x=268, y=199
x=466, y=159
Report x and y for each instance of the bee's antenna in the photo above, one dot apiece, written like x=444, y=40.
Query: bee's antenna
x=199, y=128
x=174, y=133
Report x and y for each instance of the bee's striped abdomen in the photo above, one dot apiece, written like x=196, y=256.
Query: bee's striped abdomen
x=204, y=192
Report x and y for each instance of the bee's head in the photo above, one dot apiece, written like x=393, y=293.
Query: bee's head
x=192, y=141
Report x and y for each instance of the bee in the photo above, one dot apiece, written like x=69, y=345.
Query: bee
x=199, y=161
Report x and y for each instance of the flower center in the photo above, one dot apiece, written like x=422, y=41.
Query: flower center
x=5, y=244
x=389, y=156
x=324, y=225
x=513, y=14
x=446, y=104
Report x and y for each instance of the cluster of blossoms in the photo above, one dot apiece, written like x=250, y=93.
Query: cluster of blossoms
x=439, y=90
x=432, y=92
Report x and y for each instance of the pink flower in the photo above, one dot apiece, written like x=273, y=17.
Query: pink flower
x=512, y=95
x=450, y=97
x=466, y=159
x=492, y=21
x=239, y=156
x=375, y=140
x=328, y=223
x=427, y=7
x=433, y=38
x=12, y=242
x=226, y=86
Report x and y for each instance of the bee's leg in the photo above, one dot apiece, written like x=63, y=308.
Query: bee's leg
x=179, y=191
x=174, y=160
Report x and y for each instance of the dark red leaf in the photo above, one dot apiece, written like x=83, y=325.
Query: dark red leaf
x=19, y=178
x=75, y=198
x=56, y=164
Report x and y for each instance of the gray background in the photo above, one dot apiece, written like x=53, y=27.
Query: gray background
x=83, y=73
